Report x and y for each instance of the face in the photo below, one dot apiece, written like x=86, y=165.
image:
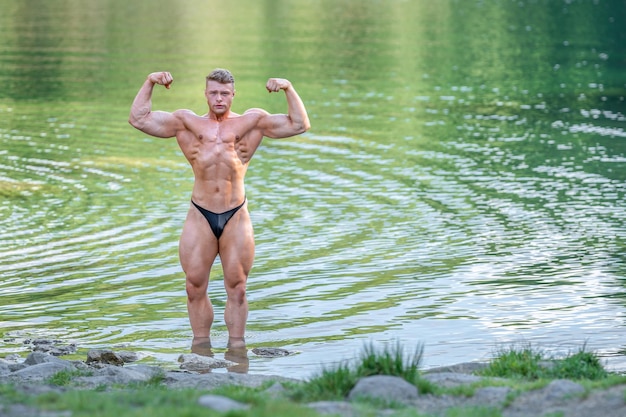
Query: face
x=219, y=96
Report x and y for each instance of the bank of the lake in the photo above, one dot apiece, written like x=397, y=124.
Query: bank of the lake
x=106, y=384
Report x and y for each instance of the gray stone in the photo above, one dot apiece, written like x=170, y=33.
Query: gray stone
x=450, y=379
x=42, y=371
x=384, y=387
x=13, y=367
x=5, y=369
x=105, y=356
x=461, y=368
x=13, y=358
x=115, y=375
x=120, y=375
x=171, y=377
x=211, y=380
x=35, y=358
x=491, y=396
x=128, y=356
x=51, y=347
x=199, y=363
x=436, y=404
x=271, y=352
x=221, y=404
x=562, y=389
x=147, y=370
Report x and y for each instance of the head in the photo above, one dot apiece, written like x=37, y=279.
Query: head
x=220, y=90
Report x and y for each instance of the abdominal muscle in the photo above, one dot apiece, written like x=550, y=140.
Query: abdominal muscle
x=219, y=179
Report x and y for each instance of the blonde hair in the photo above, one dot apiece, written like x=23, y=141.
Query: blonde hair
x=222, y=76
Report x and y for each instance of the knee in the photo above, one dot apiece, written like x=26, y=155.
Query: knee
x=237, y=292
x=196, y=288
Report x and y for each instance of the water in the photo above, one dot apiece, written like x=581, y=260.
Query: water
x=462, y=185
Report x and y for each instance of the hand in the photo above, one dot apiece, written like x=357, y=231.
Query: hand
x=277, y=84
x=161, y=78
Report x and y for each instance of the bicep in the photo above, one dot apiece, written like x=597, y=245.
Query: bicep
x=276, y=126
x=162, y=124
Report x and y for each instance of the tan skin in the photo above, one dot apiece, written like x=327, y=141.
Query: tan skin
x=218, y=146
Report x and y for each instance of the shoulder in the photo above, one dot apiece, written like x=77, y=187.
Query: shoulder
x=183, y=113
x=256, y=112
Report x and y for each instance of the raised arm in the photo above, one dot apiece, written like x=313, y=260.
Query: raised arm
x=285, y=125
x=156, y=123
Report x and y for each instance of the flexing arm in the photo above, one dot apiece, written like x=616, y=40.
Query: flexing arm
x=285, y=125
x=156, y=123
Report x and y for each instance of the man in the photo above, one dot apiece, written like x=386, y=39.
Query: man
x=218, y=146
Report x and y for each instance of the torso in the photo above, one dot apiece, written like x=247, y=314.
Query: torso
x=219, y=153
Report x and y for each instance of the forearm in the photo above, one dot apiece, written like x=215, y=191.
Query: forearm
x=142, y=105
x=297, y=112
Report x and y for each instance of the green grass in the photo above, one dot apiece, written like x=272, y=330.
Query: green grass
x=63, y=378
x=530, y=363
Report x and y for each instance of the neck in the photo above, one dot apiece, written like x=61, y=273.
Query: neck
x=218, y=117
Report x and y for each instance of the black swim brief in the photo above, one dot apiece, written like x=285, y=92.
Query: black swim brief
x=218, y=221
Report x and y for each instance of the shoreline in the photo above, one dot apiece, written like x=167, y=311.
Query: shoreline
x=106, y=370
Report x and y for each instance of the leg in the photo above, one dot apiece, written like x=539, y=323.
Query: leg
x=240, y=356
x=202, y=346
x=197, y=251
x=237, y=256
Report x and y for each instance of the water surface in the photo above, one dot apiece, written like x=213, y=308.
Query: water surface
x=462, y=185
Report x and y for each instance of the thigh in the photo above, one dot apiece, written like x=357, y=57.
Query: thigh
x=198, y=247
x=236, y=247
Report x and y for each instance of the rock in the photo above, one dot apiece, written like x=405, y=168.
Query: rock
x=491, y=396
x=17, y=366
x=128, y=356
x=560, y=389
x=106, y=356
x=461, y=368
x=271, y=352
x=41, y=371
x=557, y=397
x=51, y=346
x=41, y=357
x=221, y=404
x=13, y=358
x=208, y=381
x=199, y=363
x=4, y=369
x=147, y=370
x=121, y=375
x=450, y=379
x=384, y=387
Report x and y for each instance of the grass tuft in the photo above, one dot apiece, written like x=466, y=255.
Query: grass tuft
x=580, y=365
x=64, y=377
x=336, y=382
x=528, y=363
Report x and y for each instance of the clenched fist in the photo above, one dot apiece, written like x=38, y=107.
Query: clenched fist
x=161, y=78
x=277, y=84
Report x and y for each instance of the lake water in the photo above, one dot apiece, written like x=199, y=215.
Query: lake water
x=462, y=186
